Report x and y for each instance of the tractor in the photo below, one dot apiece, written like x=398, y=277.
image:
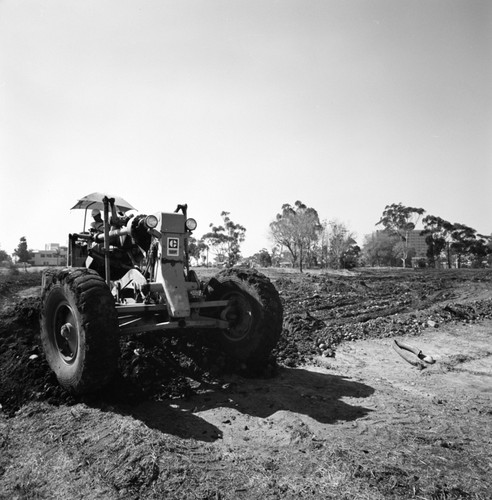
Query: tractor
x=130, y=274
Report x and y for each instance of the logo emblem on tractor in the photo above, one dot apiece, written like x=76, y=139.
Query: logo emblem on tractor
x=173, y=247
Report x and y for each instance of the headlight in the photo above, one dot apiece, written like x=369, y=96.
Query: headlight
x=151, y=221
x=190, y=224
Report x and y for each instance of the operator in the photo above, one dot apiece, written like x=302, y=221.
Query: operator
x=98, y=225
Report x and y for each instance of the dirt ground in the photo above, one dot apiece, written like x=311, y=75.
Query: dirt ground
x=337, y=413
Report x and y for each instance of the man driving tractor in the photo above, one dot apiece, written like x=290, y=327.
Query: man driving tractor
x=98, y=224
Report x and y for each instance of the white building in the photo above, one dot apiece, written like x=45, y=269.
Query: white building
x=53, y=255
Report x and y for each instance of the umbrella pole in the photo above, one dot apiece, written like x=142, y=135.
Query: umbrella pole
x=106, y=240
x=85, y=219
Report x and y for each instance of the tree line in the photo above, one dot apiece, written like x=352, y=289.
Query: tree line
x=300, y=239
x=447, y=244
x=298, y=233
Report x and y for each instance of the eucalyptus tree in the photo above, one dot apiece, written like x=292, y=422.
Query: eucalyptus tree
x=400, y=221
x=225, y=240
x=297, y=228
x=468, y=245
x=438, y=237
x=339, y=246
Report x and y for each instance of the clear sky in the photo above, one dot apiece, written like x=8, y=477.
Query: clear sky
x=242, y=106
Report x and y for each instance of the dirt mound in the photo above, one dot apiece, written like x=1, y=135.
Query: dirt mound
x=320, y=312
x=12, y=282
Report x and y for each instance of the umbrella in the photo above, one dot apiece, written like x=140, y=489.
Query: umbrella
x=95, y=200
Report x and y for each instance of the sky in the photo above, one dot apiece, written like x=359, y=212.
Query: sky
x=243, y=106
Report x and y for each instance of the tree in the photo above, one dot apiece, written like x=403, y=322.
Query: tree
x=351, y=256
x=263, y=258
x=225, y=240
x=379, y=249
x=195, y=248
x=57, y=252
x=22, y=253
x=489, y=250
x=479, y=251
x=5, y=257
x=400, y=221
x=297, y=229
x=465, y=244
x=277, y=255
x=339, y=246
x=437, y=233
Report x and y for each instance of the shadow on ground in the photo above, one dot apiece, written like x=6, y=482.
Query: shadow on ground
x=311, y=393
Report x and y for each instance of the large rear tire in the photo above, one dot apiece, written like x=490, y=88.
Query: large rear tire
x=79, y=329
x=254, y=313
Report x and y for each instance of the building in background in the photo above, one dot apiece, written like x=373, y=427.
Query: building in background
x=417, y=242
x=53, y=255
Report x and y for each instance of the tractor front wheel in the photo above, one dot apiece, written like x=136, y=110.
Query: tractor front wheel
x=254, y=314
x=79, y=329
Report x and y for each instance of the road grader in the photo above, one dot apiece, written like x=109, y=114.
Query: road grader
x=132, y=275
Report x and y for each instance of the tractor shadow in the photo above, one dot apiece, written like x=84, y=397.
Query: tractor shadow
x=315, y=394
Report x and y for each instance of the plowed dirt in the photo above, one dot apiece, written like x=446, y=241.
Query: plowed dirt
x=337, y=413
